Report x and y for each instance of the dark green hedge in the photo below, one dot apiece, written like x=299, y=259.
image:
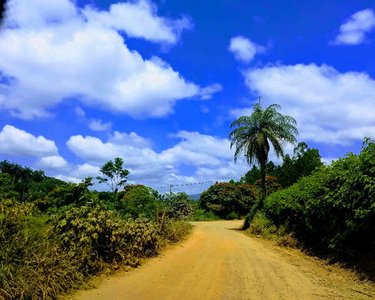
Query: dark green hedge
x=334, y=208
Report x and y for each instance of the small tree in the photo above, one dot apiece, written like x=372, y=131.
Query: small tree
x=179, y=206
x=137, y=200
x=117, y=176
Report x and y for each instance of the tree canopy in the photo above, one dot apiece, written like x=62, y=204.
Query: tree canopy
x=115, y=173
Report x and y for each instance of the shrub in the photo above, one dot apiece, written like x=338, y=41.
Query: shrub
x=262, y=226
x=202, y=215
x=246, y=198
x=231, y=216
x=224, y=198
x=39, y=260
x=334, y=208
x=174, y=231
x=179, y=206
x=219, y=198
x=136, y=201
x=100, y=236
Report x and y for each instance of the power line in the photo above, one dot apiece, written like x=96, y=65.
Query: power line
x=169, y=186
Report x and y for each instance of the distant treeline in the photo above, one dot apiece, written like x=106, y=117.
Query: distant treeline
x=302, y=163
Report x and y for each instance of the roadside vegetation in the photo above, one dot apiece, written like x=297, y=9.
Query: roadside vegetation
x=240, y=199
x=54, y=235
x=330, y=214
x=333, y=210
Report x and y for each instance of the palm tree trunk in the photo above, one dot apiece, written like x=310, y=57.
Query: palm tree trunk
x=264, y=186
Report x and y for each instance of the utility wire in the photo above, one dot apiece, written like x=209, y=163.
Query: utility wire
x=169, y=186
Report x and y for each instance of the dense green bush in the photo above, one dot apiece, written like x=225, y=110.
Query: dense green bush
x=219, y=198
x=136, y=201
x=228, y=200
x=246, y=198
x=334, y=208
x=179, y=206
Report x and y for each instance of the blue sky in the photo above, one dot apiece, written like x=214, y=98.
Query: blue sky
x=158, y=83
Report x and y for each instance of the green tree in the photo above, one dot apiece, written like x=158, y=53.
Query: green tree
x=77, y=194
x=303, y=162
x=26, y=175
x=7, y=187
x=253, y=135
x=225, y=198
x=38, y=176
x=308, y=159
x=117, y=176
x=251, y=176
x=136, y=201
x=5, y=167
x=179, y=206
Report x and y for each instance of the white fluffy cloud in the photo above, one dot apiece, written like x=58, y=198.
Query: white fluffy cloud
x=330, y=107
x=55, y=162
x=207, y=144
x=243, y=49
x=98, y=125
x=208, y=91
x=52, y=50
x=188, y=151
x=209, y=156
x=68, y=178
x=131, y=139
x=139, y=19
x=353, y=32
x=86, y=170
x=14, y=141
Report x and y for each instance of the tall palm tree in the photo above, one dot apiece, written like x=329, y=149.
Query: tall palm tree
x=253, y=135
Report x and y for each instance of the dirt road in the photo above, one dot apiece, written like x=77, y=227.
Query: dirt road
x=219, y=262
